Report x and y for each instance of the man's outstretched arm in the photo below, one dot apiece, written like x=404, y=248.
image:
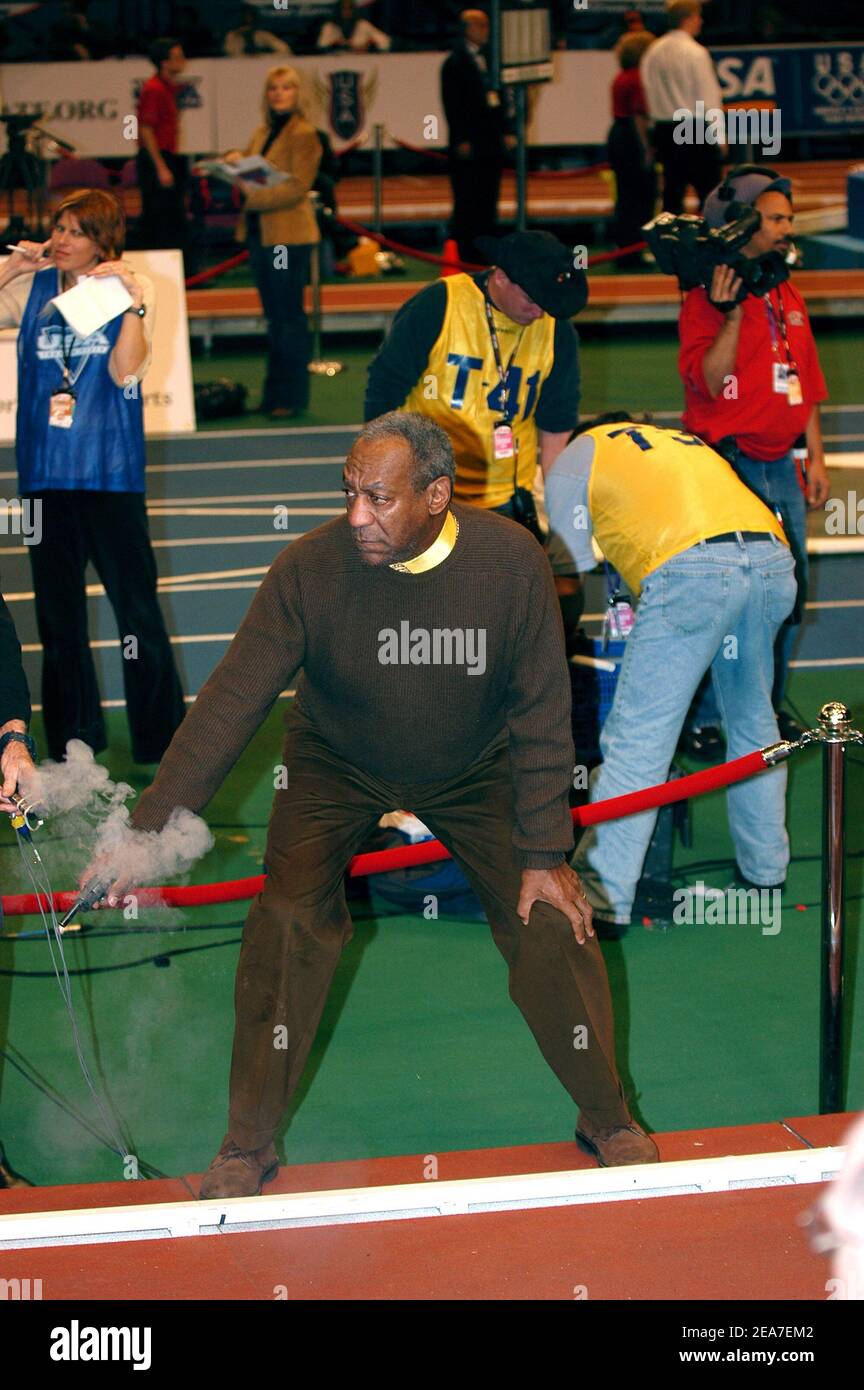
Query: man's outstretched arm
x=262, y=660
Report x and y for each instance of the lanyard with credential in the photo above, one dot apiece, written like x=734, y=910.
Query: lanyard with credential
x=503, y=373
x=67, y=343
x=777, y=321
x=503, y=441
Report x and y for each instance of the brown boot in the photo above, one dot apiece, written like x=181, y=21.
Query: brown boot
x=615, y=1145
x=235, y=1173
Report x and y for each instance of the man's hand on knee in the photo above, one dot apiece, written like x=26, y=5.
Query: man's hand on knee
x=561, y=887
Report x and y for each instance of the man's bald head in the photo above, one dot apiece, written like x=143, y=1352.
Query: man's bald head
x=475, y=24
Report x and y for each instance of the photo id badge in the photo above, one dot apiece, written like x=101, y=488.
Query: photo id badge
x=504, y=445
x=61, y=410
x=781, y=378
x=796, y=395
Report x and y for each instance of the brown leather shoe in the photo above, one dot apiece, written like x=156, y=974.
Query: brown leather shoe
x=616, y=1144
x=235, y=1173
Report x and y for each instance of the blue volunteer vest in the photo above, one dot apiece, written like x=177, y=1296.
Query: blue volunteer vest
x=103, y=450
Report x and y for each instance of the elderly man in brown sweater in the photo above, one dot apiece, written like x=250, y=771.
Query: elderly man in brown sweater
x=433, y=678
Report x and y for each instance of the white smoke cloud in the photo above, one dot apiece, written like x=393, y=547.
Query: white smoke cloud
x=78, y=783
x=149, y=856
x=101, y=830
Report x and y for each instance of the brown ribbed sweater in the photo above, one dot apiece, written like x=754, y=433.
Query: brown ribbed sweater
x=321, y=611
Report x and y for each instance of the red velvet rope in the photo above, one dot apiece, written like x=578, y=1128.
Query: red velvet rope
x=454, y=262
x=427, y=852
x=411, y=251
x=215, y=270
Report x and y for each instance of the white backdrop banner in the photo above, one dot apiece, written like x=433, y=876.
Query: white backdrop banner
x=90, y=104
x=169, y=403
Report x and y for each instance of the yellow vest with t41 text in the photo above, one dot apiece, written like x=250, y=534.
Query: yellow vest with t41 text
x=460, y=389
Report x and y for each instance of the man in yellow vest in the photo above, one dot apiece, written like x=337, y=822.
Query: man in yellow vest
x=715, y=578
x=494, y=360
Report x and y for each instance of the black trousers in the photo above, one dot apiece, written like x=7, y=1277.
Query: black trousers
x=162, y=224
x=109, y=528
x=281, y=274
x=635, y=185
x=476, y=183
x=699, y=166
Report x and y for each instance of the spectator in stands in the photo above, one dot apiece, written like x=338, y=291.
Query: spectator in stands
x=194, y=37
x=280, y=229
x=162, y=171
x=677, y=72
x=80, y=448
x=631, y=153
x=419, y=24
x=347, y=30
x=249, y=37
x=752, y=386
x=479, y=133
x=72, y=35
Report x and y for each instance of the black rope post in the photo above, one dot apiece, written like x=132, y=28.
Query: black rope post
x=377, y=177
x=835, y=733
x=319, y=366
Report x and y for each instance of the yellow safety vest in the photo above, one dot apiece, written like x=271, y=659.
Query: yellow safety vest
x=460, y=390
x=654, y=492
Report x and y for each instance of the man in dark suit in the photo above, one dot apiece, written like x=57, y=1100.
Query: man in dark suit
x=16, y=748
x=479, y=133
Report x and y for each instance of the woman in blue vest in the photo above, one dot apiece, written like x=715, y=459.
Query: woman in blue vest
x=80, y=450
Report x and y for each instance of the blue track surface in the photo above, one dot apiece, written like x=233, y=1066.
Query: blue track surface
x=213, y=497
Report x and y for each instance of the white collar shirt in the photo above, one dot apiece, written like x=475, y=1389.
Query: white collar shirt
x=677, y=72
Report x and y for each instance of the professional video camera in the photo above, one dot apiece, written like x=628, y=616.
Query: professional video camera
x=689, y=249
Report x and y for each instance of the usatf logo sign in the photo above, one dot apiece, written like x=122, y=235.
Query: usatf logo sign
x=346, y=95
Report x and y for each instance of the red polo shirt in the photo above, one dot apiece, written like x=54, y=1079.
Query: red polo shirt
x=759, y=418
x=628, y=98
x=157, y=107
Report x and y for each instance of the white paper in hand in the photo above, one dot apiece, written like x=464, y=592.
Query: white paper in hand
x=92, y=303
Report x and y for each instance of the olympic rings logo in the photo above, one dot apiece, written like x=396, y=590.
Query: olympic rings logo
x=838, y=88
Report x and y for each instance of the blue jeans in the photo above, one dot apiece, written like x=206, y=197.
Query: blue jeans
x=716, y=607
x=776, y=484
x=281, y=287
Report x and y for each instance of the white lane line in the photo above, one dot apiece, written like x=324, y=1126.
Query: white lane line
x=187, y=699
x=833, y=461
x=842, y=545
x=215, y=541
x=845, y=460
x=210, y=588
x=222, y=464
x=244, y=511
x=105, y=643
x=420, y=1200
x=227, y=540
x=247, y=497
x=164, y=582
x=254, y=434
x=831, y=661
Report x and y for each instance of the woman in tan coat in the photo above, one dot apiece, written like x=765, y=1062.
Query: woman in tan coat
x=280, y=229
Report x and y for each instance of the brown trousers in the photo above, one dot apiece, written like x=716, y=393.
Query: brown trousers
x=298, y=924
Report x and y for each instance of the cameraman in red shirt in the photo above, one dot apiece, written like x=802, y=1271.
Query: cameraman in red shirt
x=752, y=385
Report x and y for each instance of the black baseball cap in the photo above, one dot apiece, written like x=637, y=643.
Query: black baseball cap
x=543, y=267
